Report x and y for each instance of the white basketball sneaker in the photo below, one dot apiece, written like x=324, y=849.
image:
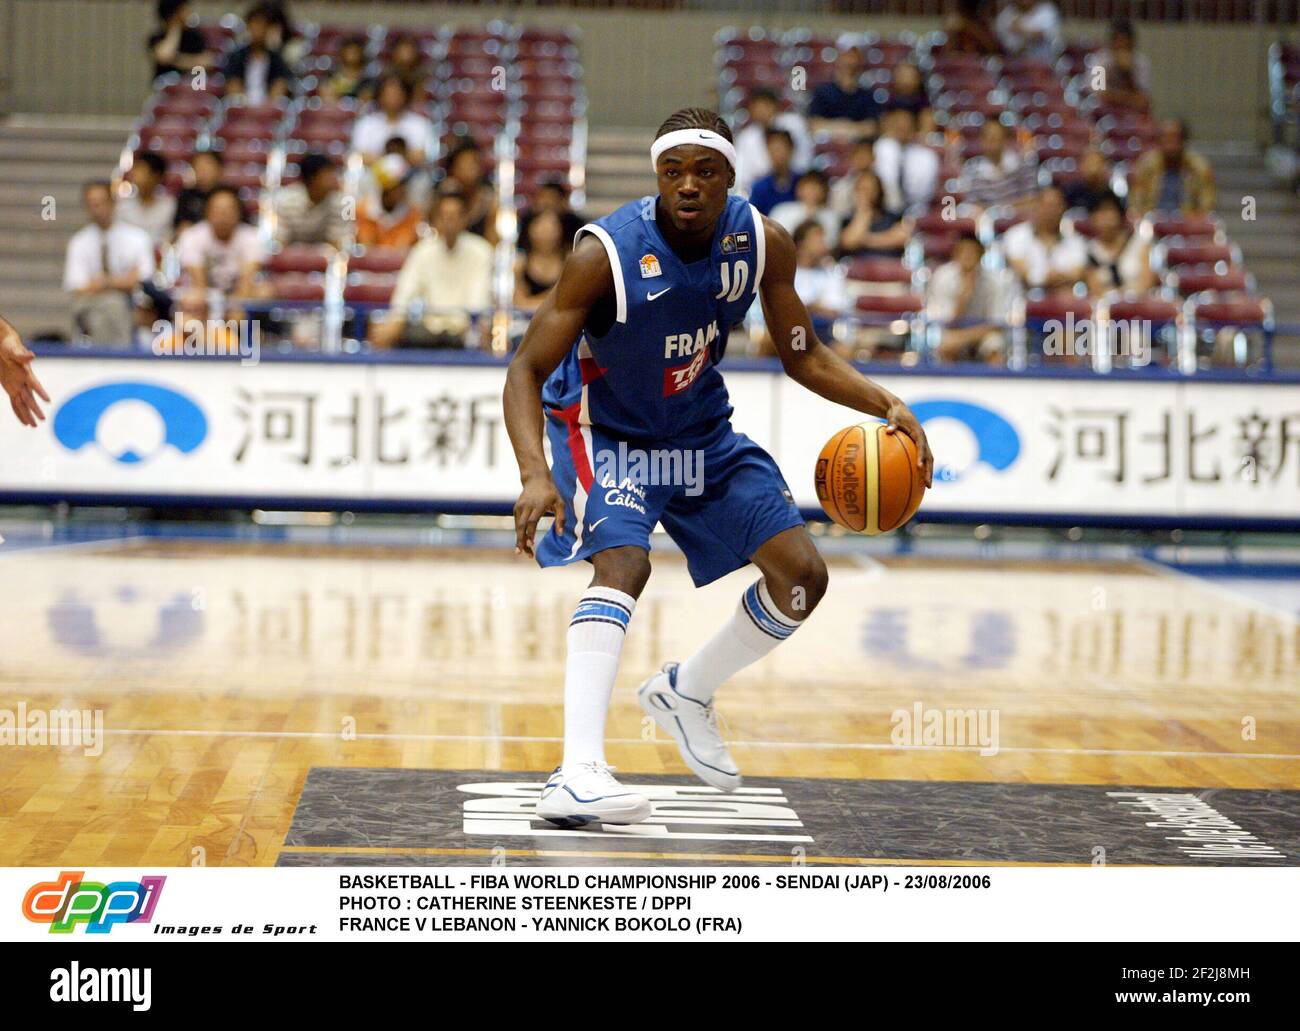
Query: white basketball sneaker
x=694, y=725
x=590, y=794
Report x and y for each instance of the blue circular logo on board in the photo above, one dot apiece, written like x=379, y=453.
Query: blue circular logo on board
x=131, y=422
x=993, y=440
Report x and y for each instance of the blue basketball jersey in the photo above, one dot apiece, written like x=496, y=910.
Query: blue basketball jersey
x=653, y=375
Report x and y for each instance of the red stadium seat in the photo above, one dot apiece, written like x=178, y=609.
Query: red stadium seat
x=1195, y=282
x=892, y=305
x=298, y=258
x=879, y=270
x=1190, y=255
x=377, y=259
x=1185, y=226
x=298, y=288
x=375, y=290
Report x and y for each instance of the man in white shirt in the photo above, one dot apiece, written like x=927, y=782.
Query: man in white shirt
x=752, y=161
x=106, y=261
x=449, y=274
x=393, y=118
x=220, y=258
x=811, y=192
x=908, y=170
x=1042, y=257
x=1030, y=28
x=151, y=207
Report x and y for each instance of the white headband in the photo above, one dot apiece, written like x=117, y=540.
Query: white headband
x=696, y=137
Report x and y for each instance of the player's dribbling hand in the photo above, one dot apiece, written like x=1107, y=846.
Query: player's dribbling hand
x=538, y=498
x=900, y=417
x=18, y=379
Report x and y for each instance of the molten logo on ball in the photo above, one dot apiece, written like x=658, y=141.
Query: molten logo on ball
x=867, y=479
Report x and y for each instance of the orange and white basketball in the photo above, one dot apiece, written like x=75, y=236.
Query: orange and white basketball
x=868, y=480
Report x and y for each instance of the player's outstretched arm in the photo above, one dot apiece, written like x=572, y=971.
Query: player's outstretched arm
x=555, y=326
x=811, y=363
x=18, y=378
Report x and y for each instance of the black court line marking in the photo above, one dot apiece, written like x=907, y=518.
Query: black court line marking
x=348, y=816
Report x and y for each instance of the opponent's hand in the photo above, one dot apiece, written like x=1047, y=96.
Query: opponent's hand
x=900, y=417
x=538, y=498
x=19, y=379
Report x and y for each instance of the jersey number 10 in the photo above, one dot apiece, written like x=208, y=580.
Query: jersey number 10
x=733, y=291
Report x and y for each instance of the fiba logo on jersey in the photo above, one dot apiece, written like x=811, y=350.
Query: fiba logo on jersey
x=650, y=266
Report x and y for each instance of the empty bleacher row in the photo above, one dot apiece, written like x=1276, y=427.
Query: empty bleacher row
x=1204, y=308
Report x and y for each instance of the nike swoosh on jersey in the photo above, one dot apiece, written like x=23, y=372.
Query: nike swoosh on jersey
x=651, y=297
x=592, y=526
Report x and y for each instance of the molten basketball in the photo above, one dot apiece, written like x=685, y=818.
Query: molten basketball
x=868, y=480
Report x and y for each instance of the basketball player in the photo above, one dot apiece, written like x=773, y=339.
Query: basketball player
x=18, y=378
x=621, y=358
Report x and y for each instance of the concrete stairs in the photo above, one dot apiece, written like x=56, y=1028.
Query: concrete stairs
x=42, y=158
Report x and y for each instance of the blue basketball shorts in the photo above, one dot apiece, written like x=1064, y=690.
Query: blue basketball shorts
x=719, y=498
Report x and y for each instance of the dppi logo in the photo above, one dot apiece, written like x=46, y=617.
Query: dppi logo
x=130, y=422
x=966, y=435
x=70, y=901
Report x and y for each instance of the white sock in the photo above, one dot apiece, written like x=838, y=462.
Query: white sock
x=595, y=641
x=756, y=627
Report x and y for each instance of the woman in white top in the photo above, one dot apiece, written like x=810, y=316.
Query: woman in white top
x=1117, y=258
x=393, y=117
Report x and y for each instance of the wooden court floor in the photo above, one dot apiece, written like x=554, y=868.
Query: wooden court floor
x=224, y=672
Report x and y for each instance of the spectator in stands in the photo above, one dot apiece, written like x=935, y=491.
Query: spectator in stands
x=908, y=170
x=283, y=36
x=1042, y=256
x=843, y=106
x=908, y=90
x=220, y=259
x=106, y=261
x=348, y=77
x=751, y=142
x=176, y=45
x=1001, y=174
x=311, y=210
x=818, y=281
x=150, y=207
x=406, y=61
x=206, y=167
x=969, y=31
x=969, y=300
x=393, y=117
x=419, y=183
x=551, y=195
x=811, y=192
x=777, y=186
x=1093, y=181
x=1127, y=74
x=1171, y=177
x=1118, y=259
x=389, y=219
x=256, y=72
x=464, y=174
x=862, y=159
x=1030, y=28
x=871, y=231
x=449, y=274
x=538, y=268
